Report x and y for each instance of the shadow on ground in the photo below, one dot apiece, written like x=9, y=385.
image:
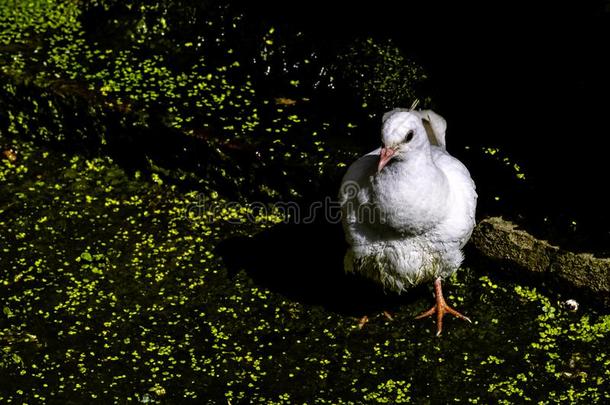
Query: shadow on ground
x=304, y=262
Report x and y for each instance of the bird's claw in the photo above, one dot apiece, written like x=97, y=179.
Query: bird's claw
x=440, y=308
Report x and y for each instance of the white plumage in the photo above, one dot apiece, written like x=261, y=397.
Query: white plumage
x=409, y=207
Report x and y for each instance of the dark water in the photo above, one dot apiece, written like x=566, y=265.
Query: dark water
x=528, y=78
x=111, y=293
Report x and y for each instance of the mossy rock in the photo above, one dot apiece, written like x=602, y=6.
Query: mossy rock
x=502, y=240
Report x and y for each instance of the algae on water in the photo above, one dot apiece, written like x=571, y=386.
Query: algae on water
x=111, y=292
x=113, y=288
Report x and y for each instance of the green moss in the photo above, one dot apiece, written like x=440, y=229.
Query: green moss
x=60, y=69
x=389, y=392
x=136, y=304
x=380, y=74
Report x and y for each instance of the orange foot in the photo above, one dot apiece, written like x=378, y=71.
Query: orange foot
x=440, y=308
x=365, y=319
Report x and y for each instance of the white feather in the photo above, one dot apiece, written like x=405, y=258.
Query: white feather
x=408, y=223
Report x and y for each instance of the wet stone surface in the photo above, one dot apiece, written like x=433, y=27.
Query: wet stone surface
x=135, y=268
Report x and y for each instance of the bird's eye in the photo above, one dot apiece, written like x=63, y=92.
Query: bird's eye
x=409, y=136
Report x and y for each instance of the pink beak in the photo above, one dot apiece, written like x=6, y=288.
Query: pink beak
x=384, y=157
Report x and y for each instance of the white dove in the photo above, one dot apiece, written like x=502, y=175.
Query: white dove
x=408, y=208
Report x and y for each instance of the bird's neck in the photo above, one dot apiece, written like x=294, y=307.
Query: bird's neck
x=415, y=162
x=415, y=172
x=412, y=193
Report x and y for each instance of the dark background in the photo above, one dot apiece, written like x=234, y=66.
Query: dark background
x=529, y=77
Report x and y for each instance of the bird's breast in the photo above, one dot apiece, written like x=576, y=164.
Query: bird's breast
x=411, y=202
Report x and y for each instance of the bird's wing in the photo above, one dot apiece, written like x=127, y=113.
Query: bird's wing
x=354, y=195
x=359, y=173
x=462, y=199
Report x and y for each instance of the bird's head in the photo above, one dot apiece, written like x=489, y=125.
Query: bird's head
x=402, y=133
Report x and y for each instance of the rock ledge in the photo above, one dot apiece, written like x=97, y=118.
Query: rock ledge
x=499, y=239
